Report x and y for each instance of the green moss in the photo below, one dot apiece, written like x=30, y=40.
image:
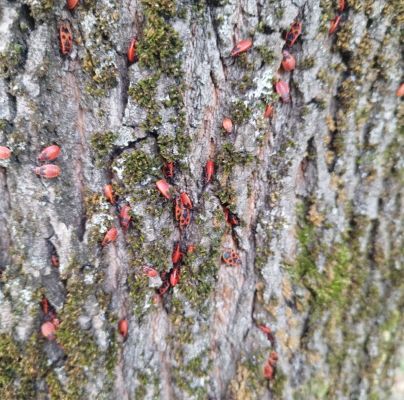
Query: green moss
x=160, y=43
x=240, y=113
x=103, y=144
x=329, y=286
x=227, y=196
x=307, y=63
x=344, y=37
x=82, y=352
x=144, y=92
x=41, y=9
x=268, y=56
x=348, y=95
x=10, y=60
x=22, y=367
x=249, y=382
x=137, y=166
x=245, y=83
x=138, y=286
x=228, y=158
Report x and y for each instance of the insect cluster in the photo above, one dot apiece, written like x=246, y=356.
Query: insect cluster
x=182, y=203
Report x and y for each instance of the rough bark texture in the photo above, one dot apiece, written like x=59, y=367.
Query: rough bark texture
x=317, y=191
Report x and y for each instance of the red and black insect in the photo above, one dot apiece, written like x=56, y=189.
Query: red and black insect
x=282, y=88
x=186, y=200
x=165, y=286
x=334, y=24
x=288, y=61
x=177, y=255
x=175, y=276
x=150, y=271
x=182, y=212
x=230, y=217
x=168, y=169
x=48, y=171
x=270, y=366
x=110, y=236
x=185, y=218
x=268, y=332
x=49, y=153
x=269, y=111
x=65, y=37
x=132, y=54
x=231, y=257
x=5, y=153
x=294, y=33
x=164, y=188
x=241, y=47
x=109, y=193
x=55, y=260
x=47, y=309
x=123, y=327
x=125, y=217
x=72, y=4
x=209, y=171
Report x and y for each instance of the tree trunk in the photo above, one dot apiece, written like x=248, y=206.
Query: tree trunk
x=313, y=199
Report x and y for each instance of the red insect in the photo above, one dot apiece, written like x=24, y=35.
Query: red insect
x=282, y=88
x=341, y=5
x=269, y=111
x=270, y=366
x=230, y=217
x=164, y=188
x=231, y=257
x=175, y=276
x=227, y=125
x=168, y=169
x=294, y=33
x=334, y=24
x=288, y=61
x=65, y=38
x=241, y=47
x=54, y=260
x=47, y=171
x=109, y=193
x=399, y=93
x=132, y=56
x=209, y=170
x=185, y=200
x=48, y=330
x=125, y=217
x=177, y=209
x=268, y=332
x=5, y=153
x=45, y=305
x=164, y=287
x=49, y=153
x=185, y=218
x=123, y=327
x=177, y=255
x=150, y=271
x=110, y=236
x=72, y=4
x=191, y=248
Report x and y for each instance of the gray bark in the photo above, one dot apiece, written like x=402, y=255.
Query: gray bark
x=317, y=190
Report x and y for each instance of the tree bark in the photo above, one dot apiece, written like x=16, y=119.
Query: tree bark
x=314, y=192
